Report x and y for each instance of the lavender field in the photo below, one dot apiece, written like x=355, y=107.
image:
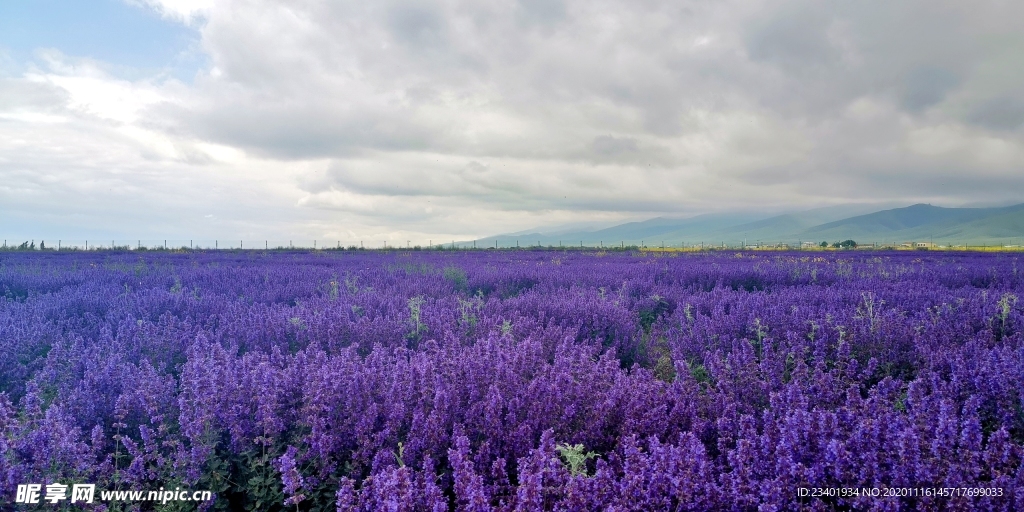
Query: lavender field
x=518, y=380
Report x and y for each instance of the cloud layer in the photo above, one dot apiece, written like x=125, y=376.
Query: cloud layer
x=437, y=119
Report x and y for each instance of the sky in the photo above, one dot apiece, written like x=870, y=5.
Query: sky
x=426, y=120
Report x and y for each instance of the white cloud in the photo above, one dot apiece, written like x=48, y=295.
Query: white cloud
x=92, y=93
x=184, y=11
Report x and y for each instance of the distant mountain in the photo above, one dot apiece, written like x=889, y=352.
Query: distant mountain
x=671, y=228
x=559, y=229
x=862, y=223
x=775, y=228
x=923, y=222
x=789, y=227
x=630, y=233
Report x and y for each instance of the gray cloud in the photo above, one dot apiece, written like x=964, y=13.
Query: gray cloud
x=419, y=26
x=1003, y=113
x=796, y=38
x=926, y=86
x=22, y=95
x=543, y=13
x=303, y=131
x=609, y=146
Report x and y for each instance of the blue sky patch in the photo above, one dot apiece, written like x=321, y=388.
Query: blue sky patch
x=131, y=39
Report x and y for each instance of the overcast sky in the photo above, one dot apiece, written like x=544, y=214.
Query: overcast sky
x=416, y=120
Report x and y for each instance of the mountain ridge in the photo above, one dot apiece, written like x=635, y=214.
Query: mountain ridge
x=915, y=223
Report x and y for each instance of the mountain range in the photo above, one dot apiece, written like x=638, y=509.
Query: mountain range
x=861, y=223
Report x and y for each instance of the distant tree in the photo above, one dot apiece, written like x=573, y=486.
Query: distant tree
x=848, y=244
x=42, y=245
x=823, y=244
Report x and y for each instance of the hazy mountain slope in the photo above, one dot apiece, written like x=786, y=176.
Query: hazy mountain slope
x=922, y=222
x=1006, y=225
x=649, y=230
x=919, y=222
x=629, y=233
x=789, y=227
x=776, y=228
x=901, y=219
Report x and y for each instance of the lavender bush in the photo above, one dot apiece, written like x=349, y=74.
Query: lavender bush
x=347, y=380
